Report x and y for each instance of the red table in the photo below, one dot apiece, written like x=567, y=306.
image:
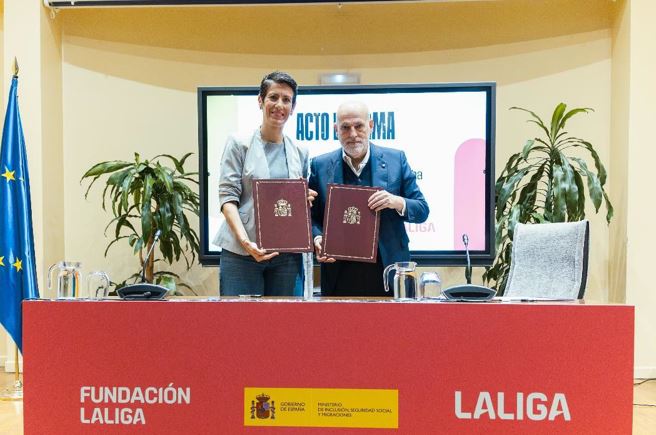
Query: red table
x=191, y=367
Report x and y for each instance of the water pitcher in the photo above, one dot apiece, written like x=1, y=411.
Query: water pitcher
x=404, y=280
x=67, y=278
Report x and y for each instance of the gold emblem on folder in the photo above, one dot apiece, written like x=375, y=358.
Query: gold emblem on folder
x=282, y=208
x=351, y=216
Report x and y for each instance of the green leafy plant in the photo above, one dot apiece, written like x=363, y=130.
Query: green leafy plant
x=545, y=183
x=147, y=196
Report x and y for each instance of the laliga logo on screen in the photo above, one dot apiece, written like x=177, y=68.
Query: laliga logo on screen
x=262, y=409
x=535, y=405
x=426, y=227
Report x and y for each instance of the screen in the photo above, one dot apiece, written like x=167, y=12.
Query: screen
x=445, y=130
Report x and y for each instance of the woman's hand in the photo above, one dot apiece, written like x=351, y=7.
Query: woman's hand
x=254, y=251
x=231, y=213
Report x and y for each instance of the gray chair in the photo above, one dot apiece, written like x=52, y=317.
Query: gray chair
x=549, y=260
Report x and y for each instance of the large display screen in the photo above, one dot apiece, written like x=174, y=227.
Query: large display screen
x=445, y=130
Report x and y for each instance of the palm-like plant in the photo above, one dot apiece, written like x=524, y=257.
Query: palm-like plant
x=545, y=183
x=147, y=196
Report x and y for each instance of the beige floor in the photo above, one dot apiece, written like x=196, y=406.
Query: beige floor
x=644, y=407
x=644, y=417
x=11, y=412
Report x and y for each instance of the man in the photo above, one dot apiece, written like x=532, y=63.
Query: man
x=359, y=162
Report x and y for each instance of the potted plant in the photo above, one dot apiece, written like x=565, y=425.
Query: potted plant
x=545, y=182
x=147, y=196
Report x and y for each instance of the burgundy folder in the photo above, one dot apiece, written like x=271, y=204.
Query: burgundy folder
x=350, y=227
x=282, y=215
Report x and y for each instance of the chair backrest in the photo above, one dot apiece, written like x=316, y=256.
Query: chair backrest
x=549, y=260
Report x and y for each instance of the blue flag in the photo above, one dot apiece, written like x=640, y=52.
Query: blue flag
x=17, y=262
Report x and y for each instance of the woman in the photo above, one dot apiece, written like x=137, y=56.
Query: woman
x=265, y=153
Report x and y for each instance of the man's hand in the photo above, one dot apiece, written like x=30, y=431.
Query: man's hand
x=317, y=250
x=311, y=194
x=383, y=199
x=254, y=251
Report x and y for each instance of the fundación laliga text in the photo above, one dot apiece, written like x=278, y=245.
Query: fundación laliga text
x=123, y=405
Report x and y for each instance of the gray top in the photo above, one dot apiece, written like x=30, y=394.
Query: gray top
x=244, y=159
x=277, y=160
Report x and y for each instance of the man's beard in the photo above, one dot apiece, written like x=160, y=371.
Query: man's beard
x=356, y=149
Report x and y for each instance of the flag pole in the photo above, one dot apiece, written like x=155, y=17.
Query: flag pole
x=16, y=365
x=16, y=391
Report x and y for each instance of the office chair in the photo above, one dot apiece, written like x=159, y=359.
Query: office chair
x=549, y=260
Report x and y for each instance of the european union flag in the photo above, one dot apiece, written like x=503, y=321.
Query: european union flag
x=17, y=262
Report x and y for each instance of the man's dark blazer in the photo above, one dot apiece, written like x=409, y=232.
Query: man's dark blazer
x=389, y=170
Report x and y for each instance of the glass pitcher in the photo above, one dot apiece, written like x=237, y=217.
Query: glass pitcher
x=68, y=279
x=405, y=281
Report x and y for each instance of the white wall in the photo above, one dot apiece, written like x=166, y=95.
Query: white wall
x=640, y=230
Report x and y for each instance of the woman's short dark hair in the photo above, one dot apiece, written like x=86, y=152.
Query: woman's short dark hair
x=281, y=78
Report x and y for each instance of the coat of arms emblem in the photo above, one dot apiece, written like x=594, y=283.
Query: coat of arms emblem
x=263, y=409
x=351, y=216
x=282, y=208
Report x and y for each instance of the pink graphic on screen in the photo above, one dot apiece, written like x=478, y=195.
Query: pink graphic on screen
x=469, y=194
